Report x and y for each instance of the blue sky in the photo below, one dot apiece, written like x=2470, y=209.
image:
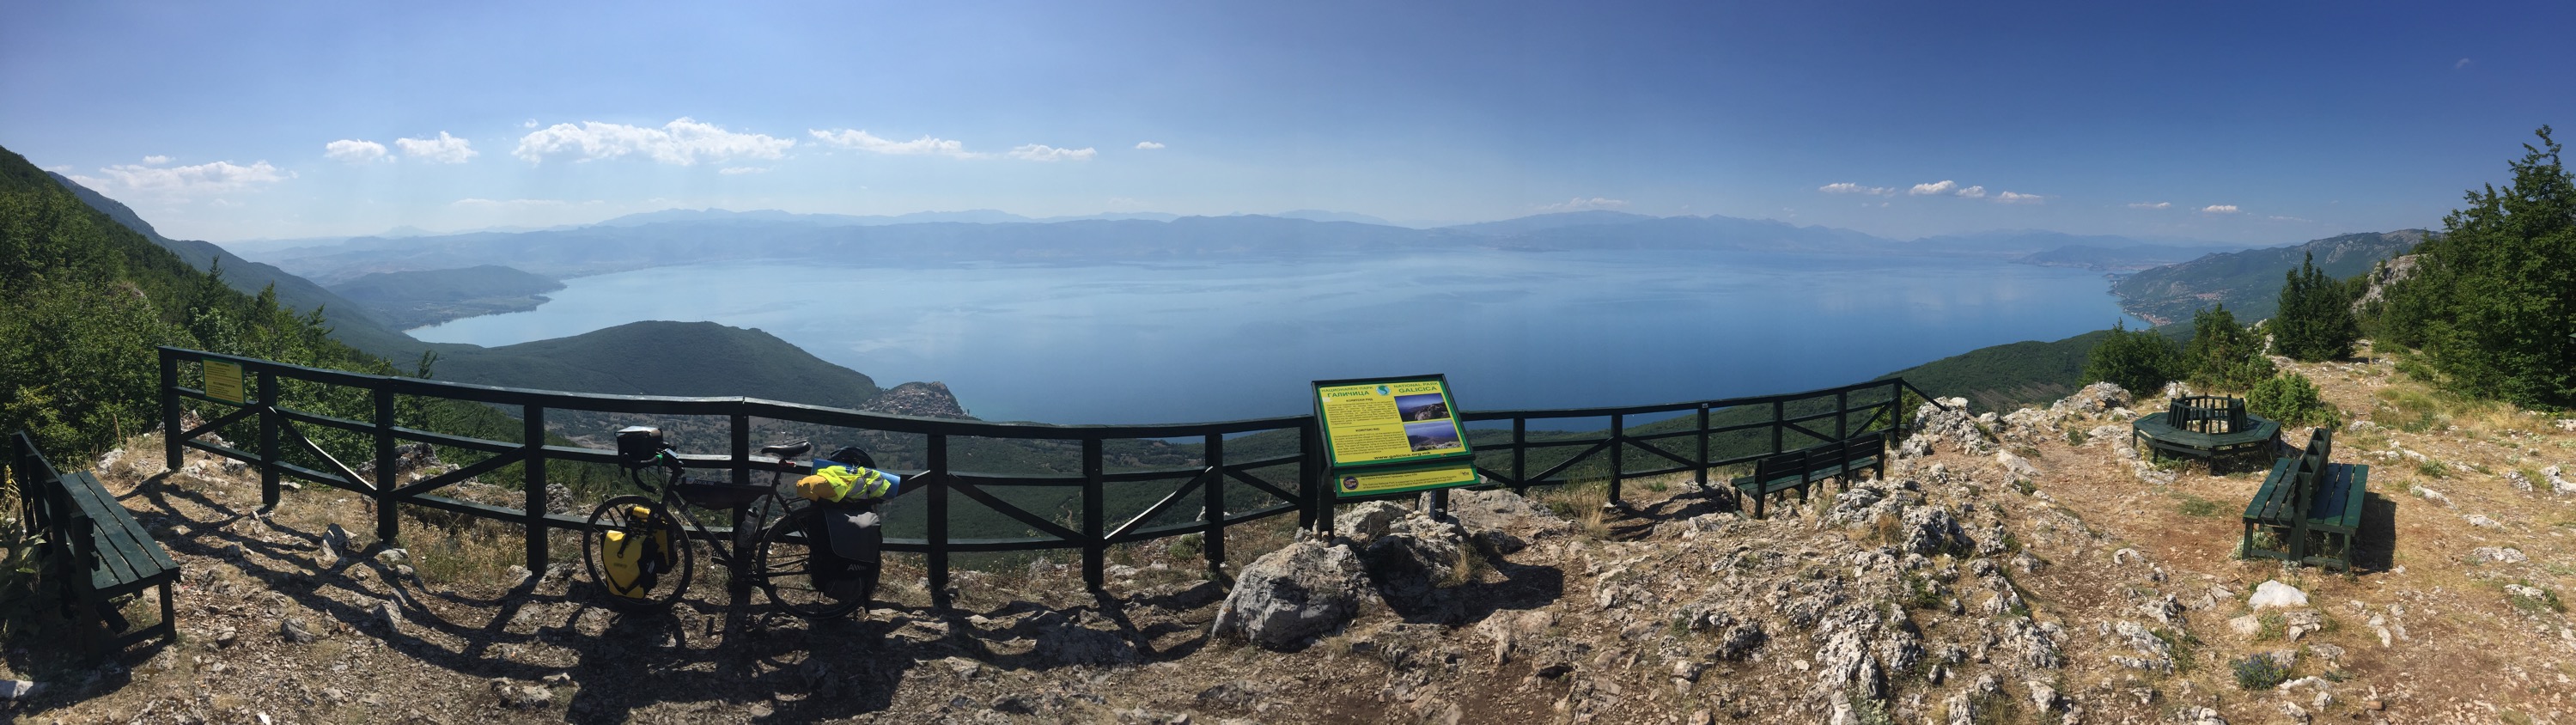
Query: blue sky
x=2250, y=122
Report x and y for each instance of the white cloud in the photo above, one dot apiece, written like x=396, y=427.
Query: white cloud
x=1973, y=192
x=217, y=177
x=1845, y=187
x=864, y=141
x=442, y=150
x=1583, y=204
x=2006, y=197
x=683, y=142
x=155, y=160
x=1147, y=145
x=530, y=123
x=736, y=170
x=2157, y=205
x=1941, y=187
x=2463, y=63
x=1043, y=152
x=354, y=151
x=2219, y=209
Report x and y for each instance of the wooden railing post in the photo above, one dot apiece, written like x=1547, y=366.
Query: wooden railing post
x=170, y=442
x=1520, y=455
x=1702, y=479
x=532, y=432
x=268, y=423
x=1095, y=549
x=938, y=515
x=741, y=424
x=1618, y=464
x=1842, y=415
x=1212, y=541
x=388, y=522
x=1779, y=423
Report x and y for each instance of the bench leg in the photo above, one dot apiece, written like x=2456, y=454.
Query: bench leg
x=169, y=613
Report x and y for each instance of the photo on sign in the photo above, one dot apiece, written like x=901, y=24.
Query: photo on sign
x=1431, y=435
x=1423, y=406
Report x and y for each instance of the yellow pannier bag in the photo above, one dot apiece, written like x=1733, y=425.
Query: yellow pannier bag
x=622, y=564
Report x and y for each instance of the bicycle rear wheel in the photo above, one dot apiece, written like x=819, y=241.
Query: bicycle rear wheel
x=803, y=580
x=637, y=553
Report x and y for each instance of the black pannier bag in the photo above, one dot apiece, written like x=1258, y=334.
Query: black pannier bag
x=844, y=561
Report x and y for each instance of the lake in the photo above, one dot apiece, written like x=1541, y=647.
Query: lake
x=1184, y=341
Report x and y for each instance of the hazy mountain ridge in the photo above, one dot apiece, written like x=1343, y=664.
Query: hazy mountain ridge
x=2249, y=282
x=682, y=236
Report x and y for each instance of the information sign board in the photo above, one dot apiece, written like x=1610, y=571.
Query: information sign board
x=1386, y=435
x=224, y=382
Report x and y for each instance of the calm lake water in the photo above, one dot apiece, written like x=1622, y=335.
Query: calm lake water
x=1177, y=342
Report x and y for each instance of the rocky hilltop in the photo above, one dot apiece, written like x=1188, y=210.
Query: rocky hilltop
x=2026, y=567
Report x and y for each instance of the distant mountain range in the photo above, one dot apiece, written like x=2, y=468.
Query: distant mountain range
x=407, y=300
x=697, y=236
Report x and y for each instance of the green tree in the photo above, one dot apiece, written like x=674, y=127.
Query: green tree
x=2222, y=354
x=2140, y=360
x=2315, y=322
x=2493, y=301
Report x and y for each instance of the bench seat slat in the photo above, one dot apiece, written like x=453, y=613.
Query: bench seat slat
x=111, y=567
x=2276, y=487
x=152, y=557
x=127, y=557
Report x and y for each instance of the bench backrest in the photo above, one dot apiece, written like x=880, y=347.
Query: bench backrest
x=2187, y=412
x=48, y=507
x=1785, y=465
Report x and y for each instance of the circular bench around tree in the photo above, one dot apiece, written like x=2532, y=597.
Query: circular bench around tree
x=2206, y=427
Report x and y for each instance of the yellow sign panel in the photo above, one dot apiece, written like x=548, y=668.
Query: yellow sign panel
x=1347, y=484
x=224, y=382
x=1385, y=422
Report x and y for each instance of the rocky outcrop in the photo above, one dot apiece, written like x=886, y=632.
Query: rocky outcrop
x=2388, y=272
x=1290, y=596
x=1418, y=556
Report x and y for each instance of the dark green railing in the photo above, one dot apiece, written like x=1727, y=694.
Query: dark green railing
x=1203, y=486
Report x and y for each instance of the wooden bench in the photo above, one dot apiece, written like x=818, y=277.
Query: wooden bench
x=2204, y=427
x=92, y=545
x=1799, y=469
x=2304, y=494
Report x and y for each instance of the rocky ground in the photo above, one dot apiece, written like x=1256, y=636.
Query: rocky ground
x=2010, y=568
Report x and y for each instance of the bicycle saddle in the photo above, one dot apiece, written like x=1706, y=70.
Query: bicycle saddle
x=784, y=451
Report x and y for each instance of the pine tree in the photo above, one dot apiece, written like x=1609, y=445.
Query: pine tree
x=2222, y=354
x=2315, y=322
x=2499, y=298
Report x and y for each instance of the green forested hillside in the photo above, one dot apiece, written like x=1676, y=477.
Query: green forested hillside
x=348, y=322
x=664, y=358
x=2249, y=282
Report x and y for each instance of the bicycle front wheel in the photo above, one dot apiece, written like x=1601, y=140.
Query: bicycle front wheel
x=637, y=553
x=798, y=572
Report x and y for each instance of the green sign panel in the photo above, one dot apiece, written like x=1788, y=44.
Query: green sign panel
x=224, y=382
x=1387, y=435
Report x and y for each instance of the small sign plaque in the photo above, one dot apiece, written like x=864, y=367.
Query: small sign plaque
x=224, y=382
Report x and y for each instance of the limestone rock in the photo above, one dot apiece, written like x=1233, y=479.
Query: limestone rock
x=1368, y=521
x=1291, y=595
x=2273, y=593
x=2504, y=555
x=1417, y=556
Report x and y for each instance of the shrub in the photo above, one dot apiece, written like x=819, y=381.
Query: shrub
x=2293, y=400
x=2260, y=672
x=2140, y=361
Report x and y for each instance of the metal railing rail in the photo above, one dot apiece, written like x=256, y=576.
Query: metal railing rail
x=1093, y=533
